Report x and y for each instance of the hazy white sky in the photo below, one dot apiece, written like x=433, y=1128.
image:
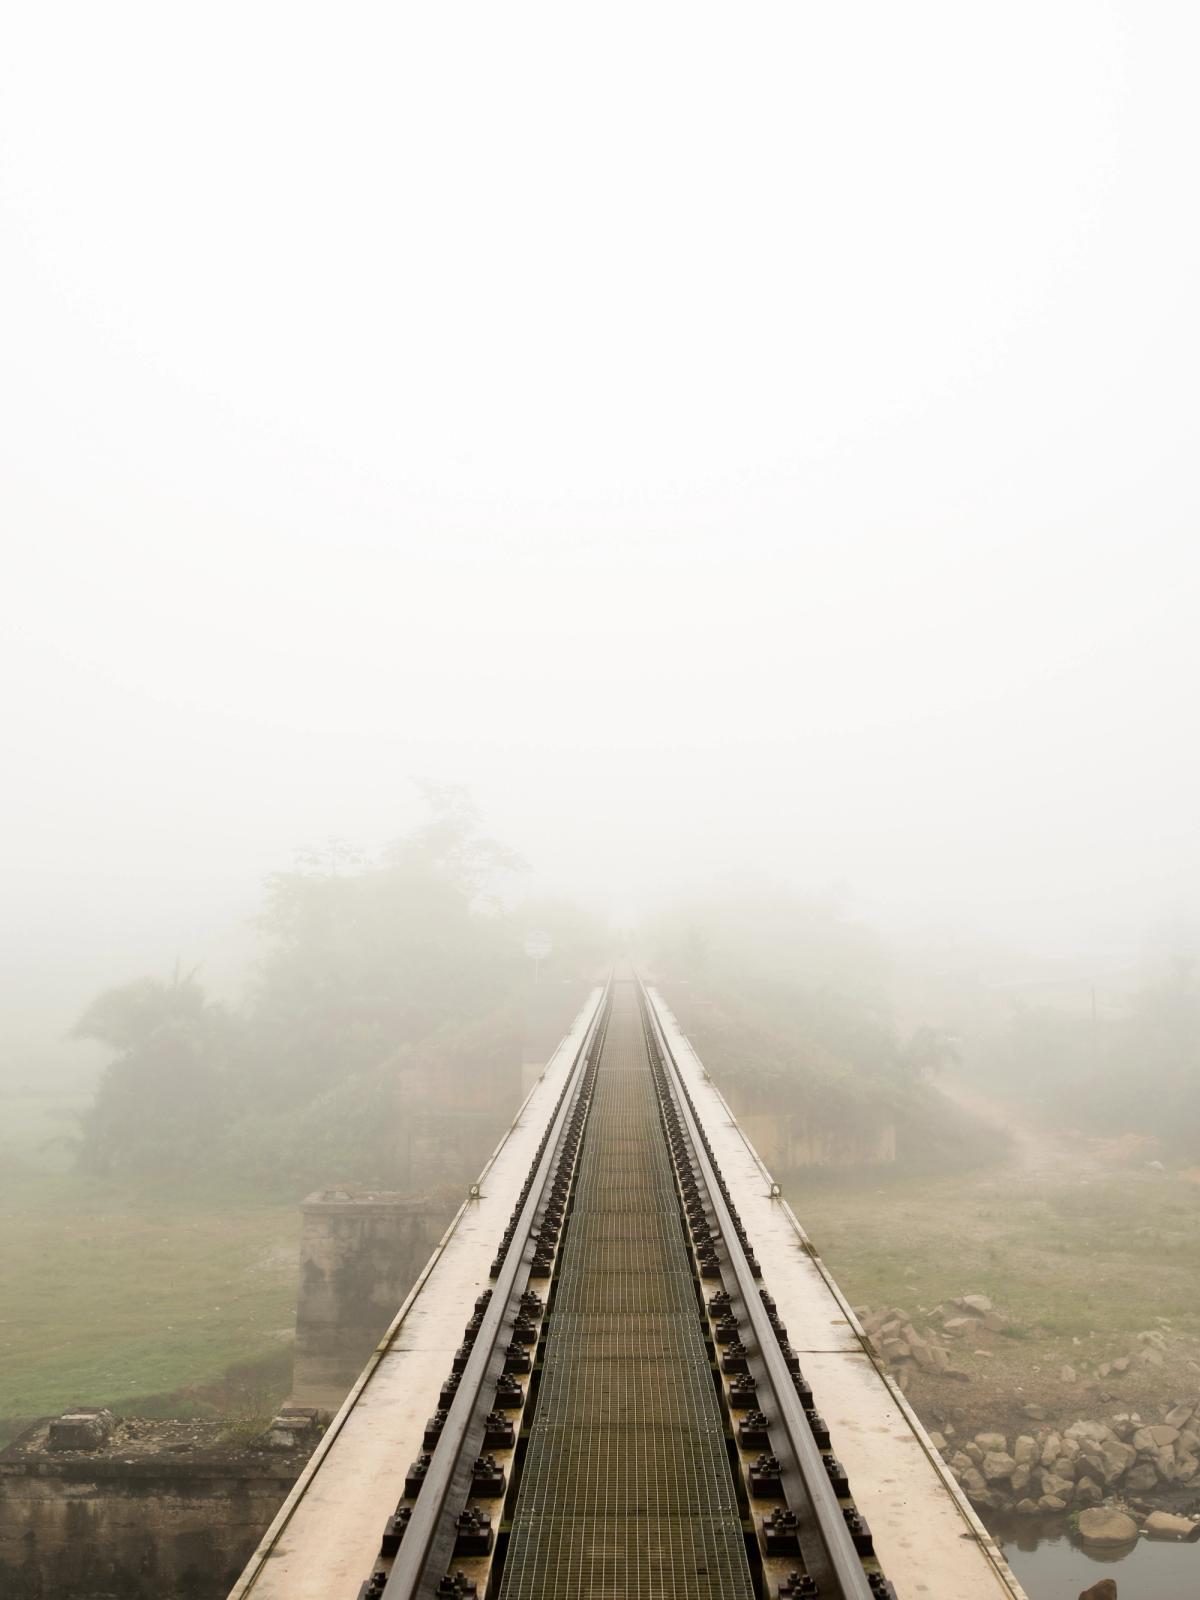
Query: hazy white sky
x=728, y=438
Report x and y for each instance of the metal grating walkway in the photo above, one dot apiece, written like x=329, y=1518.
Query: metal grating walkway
x=626, y=1492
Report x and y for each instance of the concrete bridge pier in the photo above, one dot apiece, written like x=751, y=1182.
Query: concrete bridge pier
x=360, y=1253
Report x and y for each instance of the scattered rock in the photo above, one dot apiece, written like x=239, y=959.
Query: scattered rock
x=1106, y=1589
x=1097, y=1432
x=1066, y=1373
x=1141, y=1479
x=1154, y=1437
x=85, y=1428
x=1060, y=1489
x=1162, y=1525
x=997, y=1464
x=991, y=1441
x=1104, y=1526
x=1117, y=1459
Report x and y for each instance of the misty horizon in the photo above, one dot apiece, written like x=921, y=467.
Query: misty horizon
x=792, y=492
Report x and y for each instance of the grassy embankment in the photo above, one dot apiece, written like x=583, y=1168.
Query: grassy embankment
x=139, y=1296
x=1080, y=1258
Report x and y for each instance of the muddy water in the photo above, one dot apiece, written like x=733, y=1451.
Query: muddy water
x=1051, y=1564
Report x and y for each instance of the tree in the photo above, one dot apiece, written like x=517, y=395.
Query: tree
x=160, y=1100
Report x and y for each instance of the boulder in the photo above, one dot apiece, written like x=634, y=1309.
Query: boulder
x=938, y=1440
x=1179, y=1416
x=1162, y=1525
x=1117, y=1459
x=1020, y=1479
x=992, y=1441
x=1059, y=1488
x=1097, y=1432
x=1088, y=1492
x=1121, y=1364
x=1026, y=1508
x=1104, y=1526
x=1154, y=1437
x=1034, y=1412
x=1051, y=1449
x=1051, y=1504
x=1106, y=1589
x=1025, y=1450
x=85, y=1428
x=1066, y=1373
x=997, y=1464
x=1141, y=1479
x=976, y=1302
x=959, y=1324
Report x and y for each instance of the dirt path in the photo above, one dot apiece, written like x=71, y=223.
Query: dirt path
x=1035, y=1152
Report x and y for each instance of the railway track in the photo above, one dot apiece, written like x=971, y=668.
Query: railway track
x=625, y=1418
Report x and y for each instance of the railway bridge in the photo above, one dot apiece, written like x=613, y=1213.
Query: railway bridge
x=625, y=1374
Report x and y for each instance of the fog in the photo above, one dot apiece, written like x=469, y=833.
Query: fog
x=742, y=450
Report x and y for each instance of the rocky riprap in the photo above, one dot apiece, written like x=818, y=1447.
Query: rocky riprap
x=897, y=1341
x=1045, y=1469
x=1049, y=1470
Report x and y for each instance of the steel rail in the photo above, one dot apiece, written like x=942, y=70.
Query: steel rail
x=427, y=1549
x=831, y=1525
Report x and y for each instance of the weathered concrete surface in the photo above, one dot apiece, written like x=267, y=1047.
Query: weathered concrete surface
x=360, y=1254
x=159, y=1511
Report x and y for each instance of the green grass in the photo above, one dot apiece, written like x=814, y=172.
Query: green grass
x=113, y=1291
x=1094, y=1261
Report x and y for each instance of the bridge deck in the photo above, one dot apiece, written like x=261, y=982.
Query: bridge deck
x=627, y=1488
x=629, y=1479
